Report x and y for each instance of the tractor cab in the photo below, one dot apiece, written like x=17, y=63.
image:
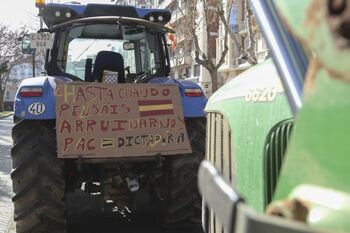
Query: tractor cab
x=106, y=43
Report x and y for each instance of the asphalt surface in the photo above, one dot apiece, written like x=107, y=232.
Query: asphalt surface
x=90, y=220
x=85, y=215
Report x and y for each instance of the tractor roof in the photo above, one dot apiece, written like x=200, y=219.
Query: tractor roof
x=54, y=14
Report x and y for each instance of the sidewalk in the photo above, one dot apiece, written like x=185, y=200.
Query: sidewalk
x=5, y=114
x=6, y=207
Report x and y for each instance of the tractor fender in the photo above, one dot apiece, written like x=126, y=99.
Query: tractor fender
x=192, y=106
x=25, y=106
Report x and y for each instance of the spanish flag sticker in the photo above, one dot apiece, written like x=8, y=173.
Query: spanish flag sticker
x=155, y=107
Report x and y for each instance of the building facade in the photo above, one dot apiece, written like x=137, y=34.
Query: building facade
x=182, y=56
x=235, y=63
x=18, y=73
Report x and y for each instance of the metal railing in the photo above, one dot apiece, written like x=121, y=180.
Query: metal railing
x=290, y=60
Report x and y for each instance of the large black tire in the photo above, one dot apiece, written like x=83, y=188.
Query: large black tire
x=38, y=178
x=182, y=207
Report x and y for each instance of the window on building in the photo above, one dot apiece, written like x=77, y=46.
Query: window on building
x=259, y=44
x=222, y=45
x=245, y=44
x=188, y=72
x=196, y=70
x=263, y=43
x=242, y=43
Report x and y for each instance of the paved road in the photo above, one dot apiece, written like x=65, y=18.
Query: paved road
x=5, y=169
x=88, y=220
x=92, y=222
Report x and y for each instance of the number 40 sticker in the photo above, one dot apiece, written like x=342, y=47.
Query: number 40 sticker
x=36, y=108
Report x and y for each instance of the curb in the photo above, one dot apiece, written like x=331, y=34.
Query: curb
x=7, y=115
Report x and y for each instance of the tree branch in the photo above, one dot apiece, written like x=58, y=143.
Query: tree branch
x=251, y=38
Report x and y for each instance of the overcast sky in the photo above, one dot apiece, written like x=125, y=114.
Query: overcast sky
x=18, y=12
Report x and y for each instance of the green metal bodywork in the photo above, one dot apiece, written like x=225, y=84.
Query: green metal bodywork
x=250, y=123
x=319, y=149
x=328, y=208
x=321, y=136
x=316, y=168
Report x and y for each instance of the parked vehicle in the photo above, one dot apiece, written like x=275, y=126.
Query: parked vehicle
x=107, y=64
x=280, y=169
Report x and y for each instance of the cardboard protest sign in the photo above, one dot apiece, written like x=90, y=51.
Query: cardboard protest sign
x=97, y=120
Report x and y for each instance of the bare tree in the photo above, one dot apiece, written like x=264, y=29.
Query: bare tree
x=209, y=13
x=10, y=56
x=249, y=22
x=180, y=49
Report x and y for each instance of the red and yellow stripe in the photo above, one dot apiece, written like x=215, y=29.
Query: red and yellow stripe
x=155, y=107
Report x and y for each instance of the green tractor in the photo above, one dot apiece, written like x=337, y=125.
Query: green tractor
x=277, y=135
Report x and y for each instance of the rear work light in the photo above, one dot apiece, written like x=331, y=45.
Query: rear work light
x=31, y=92
x=39, y=3
x=193, y=92
x=158, y=17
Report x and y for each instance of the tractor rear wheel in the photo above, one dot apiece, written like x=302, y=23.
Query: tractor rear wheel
x=38, y=178
x=182, y=207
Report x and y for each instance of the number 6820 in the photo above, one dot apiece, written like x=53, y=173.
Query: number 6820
x=261, y=95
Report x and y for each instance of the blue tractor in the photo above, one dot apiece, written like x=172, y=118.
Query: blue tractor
x=86, y=40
